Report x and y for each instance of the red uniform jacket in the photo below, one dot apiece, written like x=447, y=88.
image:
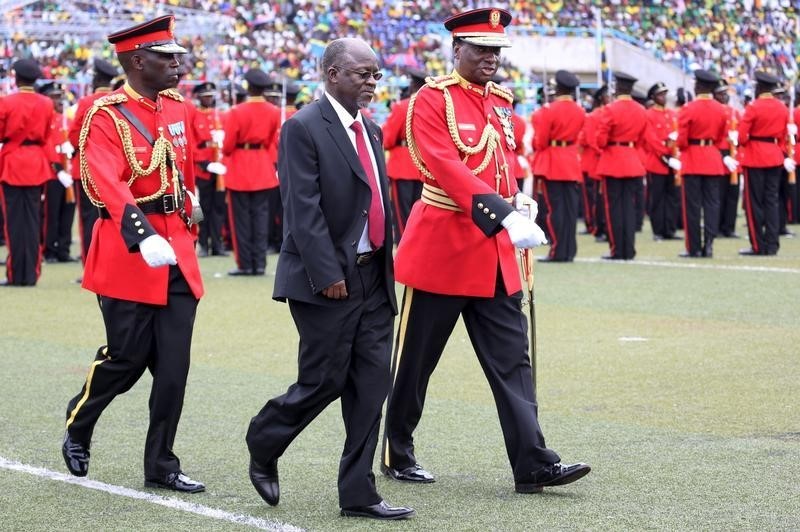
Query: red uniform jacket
x=590, y=153
x=519, y=139
x=660, y=123
x=114, y=268
x=733, y=117
x=83, y=106
x=25, y=120
x=623, y=121
x=399, y=165
x=796, y=120
x=556, y=139
x=203, y=122
x=254, y=122
x=56, y=138
x=704, y=120
x=765, y=117
x=538, y=162
x=458, y=252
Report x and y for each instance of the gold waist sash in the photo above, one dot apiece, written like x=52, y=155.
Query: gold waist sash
x=437, y=197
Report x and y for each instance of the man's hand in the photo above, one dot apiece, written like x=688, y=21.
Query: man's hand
x=789, y=164
x=218, y=136
x=157, y=252
x=526, y=206
x=673, y=136
x=524, y=233
x=791, y=129
x=674, y=163
x=733, y=136
x=66, y=148
x=64, y=178
x=216, y=168
x=337, y=290
x=730, y=163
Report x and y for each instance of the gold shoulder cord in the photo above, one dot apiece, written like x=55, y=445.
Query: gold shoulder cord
x=161, y=155
x=489, y=136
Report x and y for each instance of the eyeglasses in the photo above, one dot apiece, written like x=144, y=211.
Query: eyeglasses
x=363, y=74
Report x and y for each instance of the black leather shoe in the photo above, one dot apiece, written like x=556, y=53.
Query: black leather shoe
x=76, y=456
x=611, y=257
x=414, y=473
x=687, y=255
x=265, y=480
x=748, y=252
x=219, y=253
x=554, y=475
x=259, y=271
x=202, y=252
x=379, y=511
x=67, y=258
x=601, y=238
x=176, y=481
x=51, y=260
x=237, y=272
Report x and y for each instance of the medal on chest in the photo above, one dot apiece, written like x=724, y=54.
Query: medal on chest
x=178, y=132
x=504, y=116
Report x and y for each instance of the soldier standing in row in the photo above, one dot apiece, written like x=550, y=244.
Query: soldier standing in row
x=251, y=131
x=25, y=120
x=555, y=139
x=729, y=188
x=594, y=210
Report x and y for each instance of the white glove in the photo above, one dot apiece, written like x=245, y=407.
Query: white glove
x=526, y=206
x=673, y=136
x=789, y=164
x=674, y=163
x=524, y=233
x=66, y=148
x=218, y=136
x=791, y=129
x=64, y=178
x=730, y=163
x=157, y=252
x=216, y=168
x=733, y=136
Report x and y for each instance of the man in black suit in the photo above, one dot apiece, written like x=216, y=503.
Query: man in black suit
x=335, y=269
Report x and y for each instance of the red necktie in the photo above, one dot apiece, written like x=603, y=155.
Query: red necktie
x=376, y=218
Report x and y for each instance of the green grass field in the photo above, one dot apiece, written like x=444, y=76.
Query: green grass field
x=678, y=381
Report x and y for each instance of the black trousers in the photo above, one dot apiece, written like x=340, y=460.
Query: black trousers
x=595, y=191
x=588, y=194
x=761, y=208
x=140, y=337
x=275, y=231
x=88, y=214
x=405, y=192
x=562, y=199
x=619, y=195
x=22, y=207
x=345, y=352
x=660, y=192
x=498, y=331
x=728, y=205
x=639, y=202
x=700, y=202
x=249, y=212
x=59, y=217
x=212, y=201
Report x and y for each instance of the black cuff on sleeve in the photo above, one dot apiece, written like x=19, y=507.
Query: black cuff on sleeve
x=135, y=227
x=488, y=210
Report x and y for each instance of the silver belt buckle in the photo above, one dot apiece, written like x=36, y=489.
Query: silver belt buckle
x=168, y=202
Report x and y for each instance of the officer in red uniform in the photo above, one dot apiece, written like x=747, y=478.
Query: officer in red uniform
x=620, y=133
x=59, y=204
x=104, y=74
x=594, y=213
x=702, y=128
x=762, y=137
x=729, y=187
x=404, y=178
x=251, y=132
x=25, y=120
x=136, y=166
x=555, y=139
x=208, y=137
x=458, y=257
x=660, y=163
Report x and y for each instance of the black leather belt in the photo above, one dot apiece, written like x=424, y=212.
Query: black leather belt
x=629, y=143
x=205, y=144
x=362, y=259
x=249, y=146
x=771, y=140
x=27, y=142
x=163, y=205
x=701, y=142
x=402, y=143
x=561, y=143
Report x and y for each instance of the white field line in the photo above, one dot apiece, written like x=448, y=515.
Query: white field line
x=169, y=502
x=694, y=265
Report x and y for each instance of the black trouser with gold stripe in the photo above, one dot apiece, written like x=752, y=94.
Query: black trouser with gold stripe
x=562, y=199
x=620, y=206
x=498, y=331
x=762, y=208
x=59, y=217
x=660, y=192
x=700, y=193
x=141, y=336
x=22, y=207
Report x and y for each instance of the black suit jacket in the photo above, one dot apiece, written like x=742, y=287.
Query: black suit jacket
x=326, y=198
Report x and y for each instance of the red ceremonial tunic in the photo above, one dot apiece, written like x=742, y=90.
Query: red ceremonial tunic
x=114, y=267
x=399, y=164
x=556, y=139
x=25, y=126
x=83, y=106
x=251, y=134
x=590, y=153
x=204, y=121
x=620, y=134
x=766, y=118
x=703, y=119
x=459, y=252
x=660, y=123
x=519, y=139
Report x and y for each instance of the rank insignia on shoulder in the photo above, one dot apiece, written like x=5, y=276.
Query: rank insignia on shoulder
x=172, y=93
x=111, y=99
x=440, y=82
x=499, y=90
